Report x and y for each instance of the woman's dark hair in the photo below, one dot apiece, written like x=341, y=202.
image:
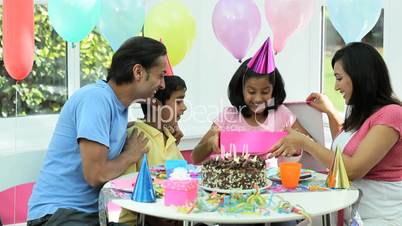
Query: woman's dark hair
x=172, y=83
x=236, y=85
x=370, y=80
x=136, y=50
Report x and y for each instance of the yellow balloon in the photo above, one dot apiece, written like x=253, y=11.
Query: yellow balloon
x=172, y=22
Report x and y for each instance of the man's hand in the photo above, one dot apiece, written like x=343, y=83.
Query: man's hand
x=136, y=145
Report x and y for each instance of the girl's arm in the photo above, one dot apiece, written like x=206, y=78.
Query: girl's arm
x=375, y=145
x=207, y=145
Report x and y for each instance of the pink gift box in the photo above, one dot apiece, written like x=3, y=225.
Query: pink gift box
x=180, y=192
x=257, y=142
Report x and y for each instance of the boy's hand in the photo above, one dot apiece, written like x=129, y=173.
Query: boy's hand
x=175, y=131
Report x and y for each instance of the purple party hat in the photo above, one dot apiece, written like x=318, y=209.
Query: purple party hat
x=263, y=61
x=144, y=190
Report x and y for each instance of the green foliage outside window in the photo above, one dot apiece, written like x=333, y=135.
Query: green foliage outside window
x=44, y=91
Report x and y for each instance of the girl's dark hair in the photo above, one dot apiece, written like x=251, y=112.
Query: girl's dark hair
x=370, y=80
x=172, y=83
x=136, y=50
x=236, y=85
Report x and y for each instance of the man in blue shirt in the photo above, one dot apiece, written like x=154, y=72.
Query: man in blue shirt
x=89, y=145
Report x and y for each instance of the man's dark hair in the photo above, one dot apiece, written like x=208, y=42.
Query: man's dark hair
x=172, y=83
x=136, y=50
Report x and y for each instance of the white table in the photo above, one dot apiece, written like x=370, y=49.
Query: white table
x=318, y=203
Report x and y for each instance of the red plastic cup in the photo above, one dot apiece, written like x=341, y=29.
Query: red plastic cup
x=290, y=174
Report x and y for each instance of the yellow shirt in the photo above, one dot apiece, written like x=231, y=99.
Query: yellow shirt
x=159, y=151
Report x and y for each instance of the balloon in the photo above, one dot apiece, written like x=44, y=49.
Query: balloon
x=18, y=37
x=285, y=17
x=173, y=22
x=353, y=19
x=74, y=19
x=236, y=24
x=120, y=20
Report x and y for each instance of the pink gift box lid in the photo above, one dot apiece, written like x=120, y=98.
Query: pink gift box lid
x=258, y=142
x=184, y=185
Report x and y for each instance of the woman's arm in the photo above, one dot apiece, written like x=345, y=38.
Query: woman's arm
x=298, y=127
x=322, y=103
x=375, y=145
x=207, y=145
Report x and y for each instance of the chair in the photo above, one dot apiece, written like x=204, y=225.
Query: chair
x=18, y=172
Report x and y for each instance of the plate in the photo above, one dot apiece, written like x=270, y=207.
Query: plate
x=231, y=191
x=273, y=174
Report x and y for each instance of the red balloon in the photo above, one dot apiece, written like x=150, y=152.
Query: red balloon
x=18, y=37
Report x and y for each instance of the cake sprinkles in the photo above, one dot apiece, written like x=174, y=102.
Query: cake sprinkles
x=238, y=172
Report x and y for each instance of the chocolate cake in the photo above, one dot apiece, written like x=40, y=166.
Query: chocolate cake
x=234, y=172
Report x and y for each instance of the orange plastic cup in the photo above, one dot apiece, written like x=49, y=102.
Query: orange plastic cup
x=290, y=174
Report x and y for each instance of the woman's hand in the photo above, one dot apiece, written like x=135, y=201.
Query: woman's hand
x=289, y=145
x=320, y=102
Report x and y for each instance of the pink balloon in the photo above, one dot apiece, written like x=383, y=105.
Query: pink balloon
x=285, y=17
x=236, y=24
x=18, y=37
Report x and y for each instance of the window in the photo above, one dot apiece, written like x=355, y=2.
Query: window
x=333, y=42
x=44, y=91
x=95, y=58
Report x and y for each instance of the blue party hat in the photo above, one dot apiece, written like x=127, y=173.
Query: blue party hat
x=143, y=190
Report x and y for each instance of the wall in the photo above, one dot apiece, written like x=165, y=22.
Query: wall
x=208, y=67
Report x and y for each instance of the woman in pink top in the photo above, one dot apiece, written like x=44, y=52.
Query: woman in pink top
x=370, y=136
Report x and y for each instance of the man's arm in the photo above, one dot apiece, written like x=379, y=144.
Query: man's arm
x=98, y=169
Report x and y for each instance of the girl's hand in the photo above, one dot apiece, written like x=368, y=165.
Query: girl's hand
x=289, y=145
x=320, y=102
x=213, y=141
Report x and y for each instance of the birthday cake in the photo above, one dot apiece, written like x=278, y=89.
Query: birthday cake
x=239, y=172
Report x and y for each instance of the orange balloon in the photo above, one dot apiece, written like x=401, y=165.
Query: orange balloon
x=18, y=37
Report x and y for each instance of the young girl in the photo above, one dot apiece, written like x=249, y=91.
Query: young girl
x=256, y=92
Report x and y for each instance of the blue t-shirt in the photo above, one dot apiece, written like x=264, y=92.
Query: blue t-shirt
x=93, y=113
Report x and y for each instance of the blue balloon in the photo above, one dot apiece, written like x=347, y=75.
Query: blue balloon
x=353, y=19
x=120, y=20
x=74, y=19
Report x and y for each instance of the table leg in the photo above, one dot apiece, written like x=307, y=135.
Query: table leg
x=326, y=220
x=141, y=219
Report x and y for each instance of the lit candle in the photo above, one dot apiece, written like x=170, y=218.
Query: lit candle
x=246, y=155
x=222, y=152
x=234, y=151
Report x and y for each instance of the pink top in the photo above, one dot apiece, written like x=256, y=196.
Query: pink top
x=390, y=167
x=231, y=120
